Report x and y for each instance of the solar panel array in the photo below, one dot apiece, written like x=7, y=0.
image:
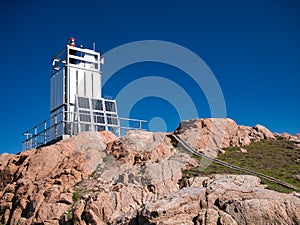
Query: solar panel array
x=96, y=114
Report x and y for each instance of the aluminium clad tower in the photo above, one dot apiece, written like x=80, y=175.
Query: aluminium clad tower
x=76, y=104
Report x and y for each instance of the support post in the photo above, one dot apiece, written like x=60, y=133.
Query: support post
x=35, y=136
x=55, y=126
x=45, y=132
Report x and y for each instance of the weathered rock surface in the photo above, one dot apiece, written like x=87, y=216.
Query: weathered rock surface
x=240, y=199
x=96, y=178
x=139, y=147
x=224, y=199
x=37, y=185
x=293, y=138
x=211, y=134
x=144, y=167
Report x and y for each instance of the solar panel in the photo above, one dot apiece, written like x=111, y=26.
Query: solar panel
x=97, y=104
x=83, y=102
x=110, y=106
x=96, y=114
x=84, y=116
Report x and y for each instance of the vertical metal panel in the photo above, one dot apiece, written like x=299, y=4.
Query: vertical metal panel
x=51, y=93
x=88, y=84
x=96, y=85
x=80, y=82
x=72, y=84
x=57, y=90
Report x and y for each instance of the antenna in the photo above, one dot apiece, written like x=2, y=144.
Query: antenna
x=94, y=46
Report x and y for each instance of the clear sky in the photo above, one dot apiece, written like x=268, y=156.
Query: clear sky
x=252, y=47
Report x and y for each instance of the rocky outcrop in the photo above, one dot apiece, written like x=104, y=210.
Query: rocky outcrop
x=224, y=199
x=293, y=138
x=144, y=167
x=180, y=206
x=37, y=185
x=96, y=178
x=8, y=167
x=212, y=134
x=140, y=147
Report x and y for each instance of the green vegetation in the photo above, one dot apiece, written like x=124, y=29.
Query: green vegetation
x=93, y=174
x=69, y=214
x=101, y=166
x=106, y=158
x=276, y=158
x=77, y=195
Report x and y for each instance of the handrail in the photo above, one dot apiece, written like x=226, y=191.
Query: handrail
x=54, y=127
x=191, y=150
x=42, y=123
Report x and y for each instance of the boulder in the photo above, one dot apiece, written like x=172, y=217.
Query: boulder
x=212, y=134
x=293, y=138
x=267, y=135
x=243, y=150
x=141, y=146
x=174, y=209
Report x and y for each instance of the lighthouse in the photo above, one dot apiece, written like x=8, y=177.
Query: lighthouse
x=75, y=95
x=76, y=102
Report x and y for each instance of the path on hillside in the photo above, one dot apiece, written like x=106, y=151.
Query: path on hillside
x=188, y=148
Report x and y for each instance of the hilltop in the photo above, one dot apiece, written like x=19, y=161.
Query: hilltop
x=146, y=178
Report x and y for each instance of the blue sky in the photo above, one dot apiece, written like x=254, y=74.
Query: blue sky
x=252, y=47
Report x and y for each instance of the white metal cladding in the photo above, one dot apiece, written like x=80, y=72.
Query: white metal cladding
x=57, y=90
x=83, y=83
x=88, y=84
x=96, y=85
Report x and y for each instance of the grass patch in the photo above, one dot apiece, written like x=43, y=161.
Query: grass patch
x=93, y=174
x=276, y=187
x=77, y=195
x=276, y=158
x=69, y=214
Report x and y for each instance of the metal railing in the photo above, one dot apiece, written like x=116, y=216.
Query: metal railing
x=66, y=124
x=190, y=149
